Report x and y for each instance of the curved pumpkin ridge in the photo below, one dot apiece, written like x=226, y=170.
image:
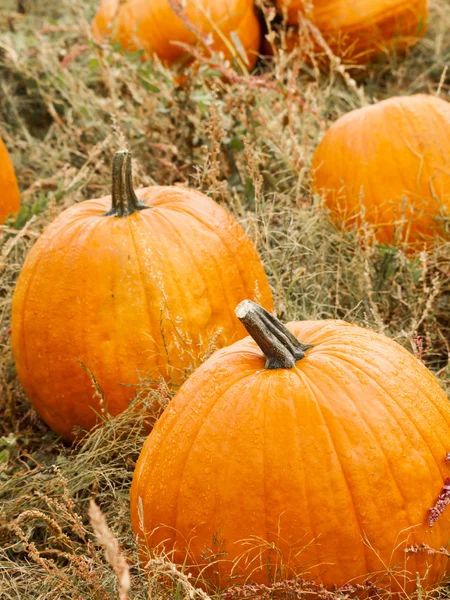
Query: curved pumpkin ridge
x=231, y=249
x=353, y=333
x=429, y=168
x=396, y=434
x=371, y=556
x=303, y=486
x=207, y=423
x=51, y=413
x=192, y=296
x=94, y=342
x=160, y=441
x=191, y=252
x=236, y=258
x=307, y=382
x=446, y=129
x=45, y=241
x=138, y=249
x=332, y=345
x=224, y=478
x=228, y=229
x=442, y=451
x=383, y=210
x=424, y=171
x=354, y=363
x=328, y=484
x=345, y=359
x=164, y=262
x=236, y=232
x=265, y=395
x=368, y=553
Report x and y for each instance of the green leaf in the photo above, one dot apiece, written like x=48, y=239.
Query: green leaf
x=249, y=189
x=23, y=216
x=93, y=64
x=237, y=143
x=149, y=87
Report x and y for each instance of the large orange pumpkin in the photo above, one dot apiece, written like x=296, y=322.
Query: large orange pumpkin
x=130, y=288
x=9, y=190
x=356, y=30
x=157, y=25
x=329, y=451
x=389, y=165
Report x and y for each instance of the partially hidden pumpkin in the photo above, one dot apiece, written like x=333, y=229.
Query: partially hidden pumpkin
x=9, y=189
x=388, y=165
x=318, y=458
x=127, y=288
x=157, y=26
x=357, y=30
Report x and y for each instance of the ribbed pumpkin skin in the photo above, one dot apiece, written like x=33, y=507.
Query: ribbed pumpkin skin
x=153, y=25
x=129, y=297
x=9, y=190
x=393, y=159
x=349, y=444
x=359, y=29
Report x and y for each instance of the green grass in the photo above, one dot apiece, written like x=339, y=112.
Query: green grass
x=247, y=141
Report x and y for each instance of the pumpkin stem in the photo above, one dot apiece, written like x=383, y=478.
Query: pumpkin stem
x=281, y=347
x=124, y=200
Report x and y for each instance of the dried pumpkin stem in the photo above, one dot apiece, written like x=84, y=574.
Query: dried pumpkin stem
x=281, y=348
x=124, y=200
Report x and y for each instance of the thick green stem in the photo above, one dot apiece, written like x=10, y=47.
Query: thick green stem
x=124, y=200
x=281, y=348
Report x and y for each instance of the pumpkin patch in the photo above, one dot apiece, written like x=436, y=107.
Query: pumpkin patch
x=163, y=434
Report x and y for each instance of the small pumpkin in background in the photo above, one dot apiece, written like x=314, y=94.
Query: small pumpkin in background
x=388, y=164
x=127, y=287
x=9, y=189
x=314, y=449
x=158, y=25
x=358, y=30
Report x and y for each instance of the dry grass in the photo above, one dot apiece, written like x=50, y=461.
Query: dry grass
x=65, y=107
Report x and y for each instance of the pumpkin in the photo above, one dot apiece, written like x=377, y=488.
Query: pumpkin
x=123, y=288
x=358, y=30
x=10, y=195
x=159, y=25
x=318, y=457
x=389, y=165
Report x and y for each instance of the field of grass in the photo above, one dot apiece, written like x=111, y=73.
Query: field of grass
x=66, y=106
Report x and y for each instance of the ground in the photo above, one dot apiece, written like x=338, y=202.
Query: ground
x=66, y=106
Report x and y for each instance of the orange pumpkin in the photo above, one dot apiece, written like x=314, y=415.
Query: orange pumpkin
x=389, y=165
x=10, y=195
x=329, y=451
x=158, y=25
x=359, y=29
x=131, y=288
